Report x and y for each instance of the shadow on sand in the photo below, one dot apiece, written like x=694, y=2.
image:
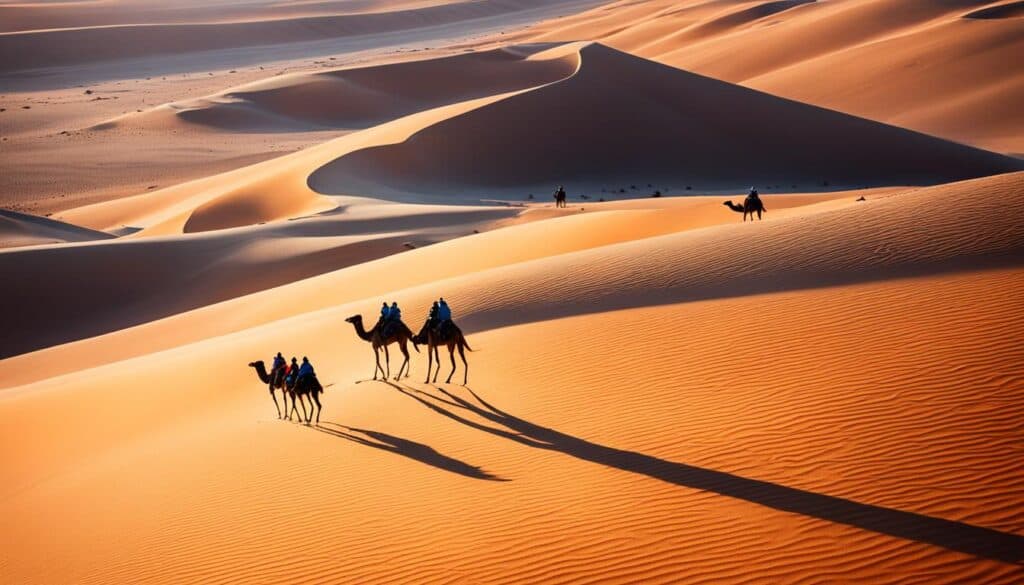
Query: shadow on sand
x=956, y=536
x=406, y=448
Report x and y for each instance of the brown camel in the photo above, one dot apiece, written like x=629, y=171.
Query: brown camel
x=277, y=383
x=750, y=205
x=311, y=387
x=383, y=336
x=452, y=338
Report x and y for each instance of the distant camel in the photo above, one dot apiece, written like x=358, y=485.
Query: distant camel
x=276, y=383
x=452, y=338
x=750, y=205
x=400, y=334
x=311, y=387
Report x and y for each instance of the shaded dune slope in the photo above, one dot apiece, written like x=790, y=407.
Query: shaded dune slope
x=1008, y=10
x=680, y=128
x=941, y=68
x=22, y=229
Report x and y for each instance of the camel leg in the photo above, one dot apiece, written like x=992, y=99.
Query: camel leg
x=294, y=409
x=387, y=362
x=758, y=215
x=319, y=407
x=437, y=358
x=376, y=357
x=430, y=363
x=451, y=354
x=465, y=366
x=302, y=401
x=274, y=396
x=405, y=362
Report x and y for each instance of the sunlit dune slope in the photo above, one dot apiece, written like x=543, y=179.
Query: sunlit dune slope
x=943, y=68
x=622, y=120
x=733, y=402
x=235, y=262
x=687, y=266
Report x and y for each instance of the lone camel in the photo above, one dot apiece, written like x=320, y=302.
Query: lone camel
x=451, y=337
x=750, y=205
x=383, y=336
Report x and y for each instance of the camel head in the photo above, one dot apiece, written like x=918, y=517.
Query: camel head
x=255, y=364
x=355, y=319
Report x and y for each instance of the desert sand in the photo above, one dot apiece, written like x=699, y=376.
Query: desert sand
x=657, y=390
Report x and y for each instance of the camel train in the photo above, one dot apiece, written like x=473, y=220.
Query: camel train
x=300, y=382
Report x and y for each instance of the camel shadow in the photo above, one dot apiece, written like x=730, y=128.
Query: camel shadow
x=406, y=448
x=957, y=536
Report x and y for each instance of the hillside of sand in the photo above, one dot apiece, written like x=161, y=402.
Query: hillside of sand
x=686, y=411
x=653, y=389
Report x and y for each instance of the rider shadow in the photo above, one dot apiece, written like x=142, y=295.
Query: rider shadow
x=406, y=448
x=949, y=534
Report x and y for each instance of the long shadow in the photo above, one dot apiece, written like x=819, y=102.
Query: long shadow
x=957, y=536
x=406, y=448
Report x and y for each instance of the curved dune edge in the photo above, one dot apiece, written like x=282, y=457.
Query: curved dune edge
x=1008, y=10
x=675, y=138
x=630, y=404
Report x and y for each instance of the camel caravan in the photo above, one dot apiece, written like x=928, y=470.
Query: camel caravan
x=299, y=382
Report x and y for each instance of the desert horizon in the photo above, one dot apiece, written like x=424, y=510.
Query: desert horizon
x=511, y=291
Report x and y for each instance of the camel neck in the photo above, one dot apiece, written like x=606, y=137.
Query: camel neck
x=361, y=331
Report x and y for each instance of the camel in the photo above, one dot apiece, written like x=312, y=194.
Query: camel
x=311, y=387
x=400, y=334
x=276, y=383
x=750, y=205
x=452, y=338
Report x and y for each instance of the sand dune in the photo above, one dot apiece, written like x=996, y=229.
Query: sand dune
x=658, y=391
x=169, y=275
x=680, y=128
x=685, y=410
x=937, y=67
x=21, y=229
x=23, y=16
x=65, y=47
x=362, y=97
x=602, y=224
